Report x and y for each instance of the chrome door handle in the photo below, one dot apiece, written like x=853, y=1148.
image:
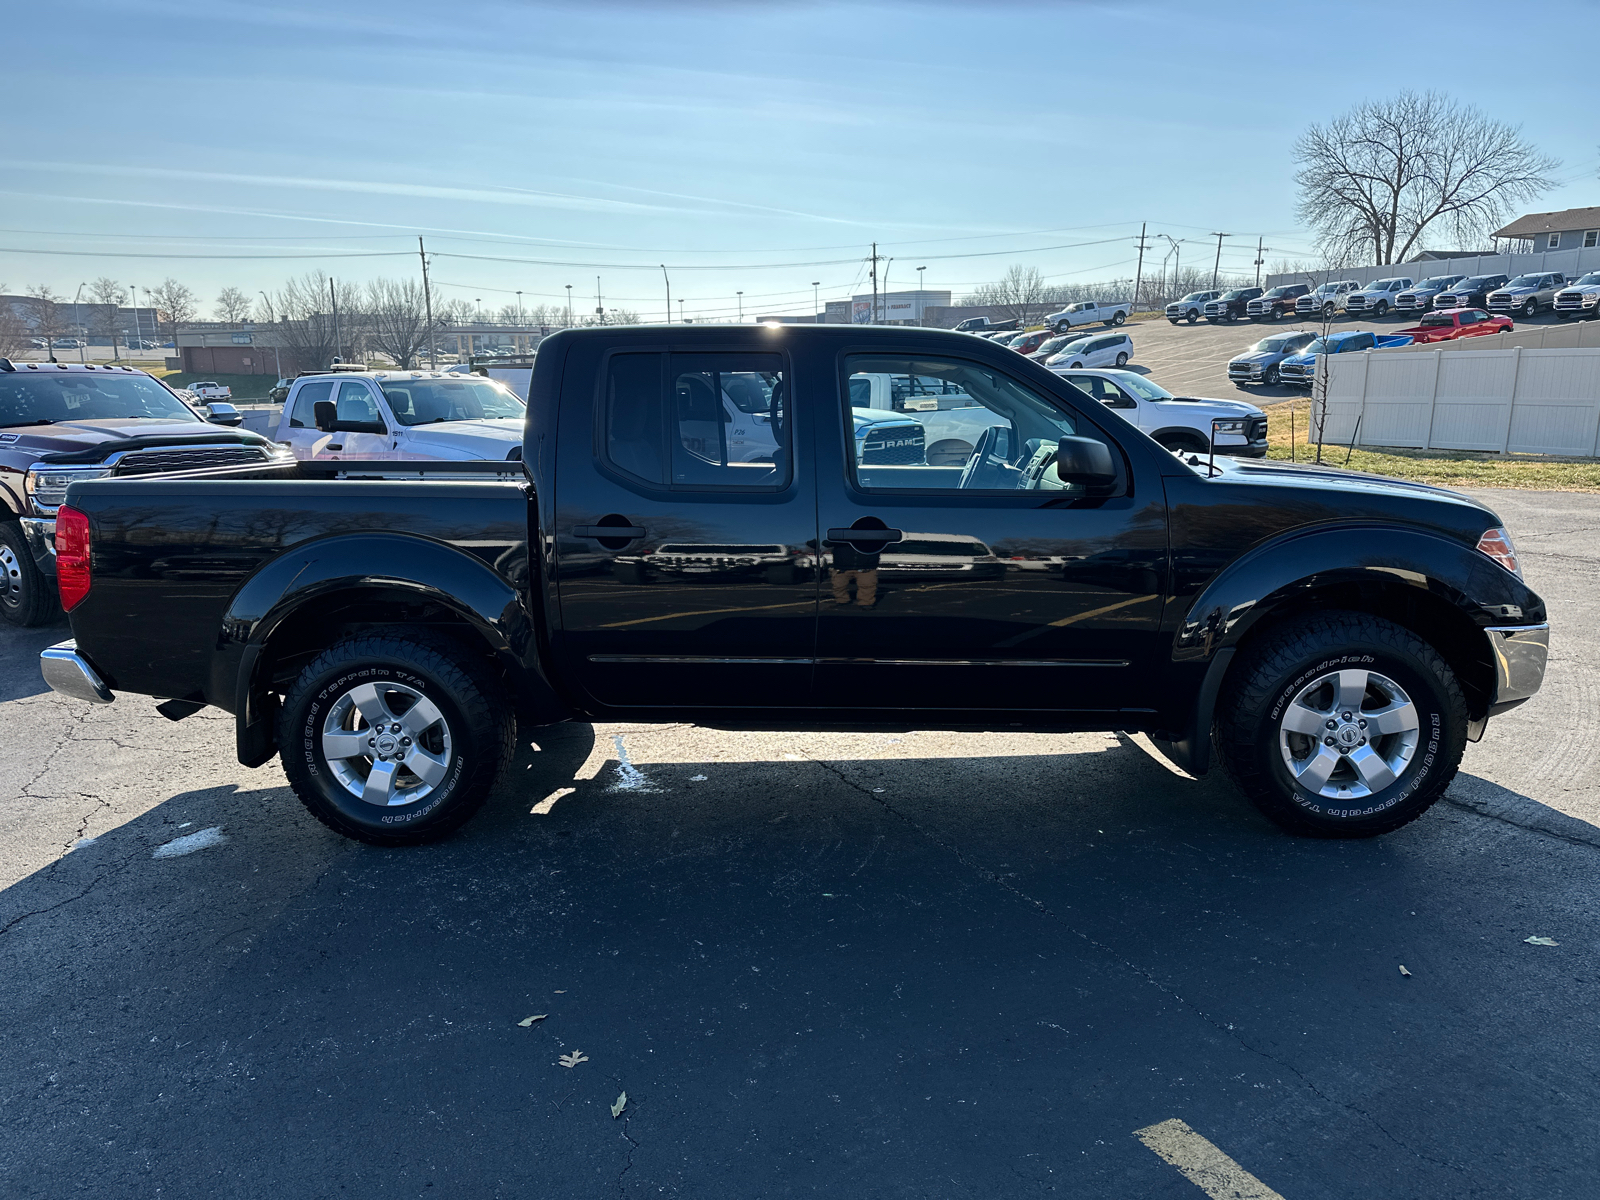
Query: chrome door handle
x=853, y=535
x=620, y=532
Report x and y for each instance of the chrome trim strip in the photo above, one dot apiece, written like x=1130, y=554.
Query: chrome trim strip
x=973, y=662
x=696, y=659
x=68, y=672
x=41, y=535
x=1520, y=654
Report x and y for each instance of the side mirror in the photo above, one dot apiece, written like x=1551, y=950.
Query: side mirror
x=1085, y=461
x=224, y=414
x=326, y=414
x=328, y=422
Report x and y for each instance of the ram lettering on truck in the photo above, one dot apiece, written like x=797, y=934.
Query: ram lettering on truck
x=1335, y=638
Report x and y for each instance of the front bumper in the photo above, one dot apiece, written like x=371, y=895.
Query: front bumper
x=41, y=535
x=1520, y=653
x=71, y=674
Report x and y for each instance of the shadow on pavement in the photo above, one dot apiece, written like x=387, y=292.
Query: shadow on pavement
x=870, y=976
x=25, y=644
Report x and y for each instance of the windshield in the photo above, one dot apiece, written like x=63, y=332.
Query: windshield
x=1524, y=281
x=424, y=401
x=1198, y=296
x=1478, y=282
x=1440, y=281
x=1274, y=345
x=1141, y=387
x=1234, y=295
x=27, y=398
x=1276, y=294
x=1328, y=289
x=1592, y=277
x=1056, y=343
x=1316, y=346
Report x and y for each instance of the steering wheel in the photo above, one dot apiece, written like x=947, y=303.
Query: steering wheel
x=990, y=458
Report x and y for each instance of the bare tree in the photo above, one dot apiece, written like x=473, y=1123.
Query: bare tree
x=233, y=305
x=109, y=298
x=13, y=329
x=304, y=309
x=1020, y=293
x=1382, y=175
x=45, y=316
x=397, y=320
x=175, y=304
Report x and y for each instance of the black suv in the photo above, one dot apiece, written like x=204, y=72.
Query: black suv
x=1470, y=293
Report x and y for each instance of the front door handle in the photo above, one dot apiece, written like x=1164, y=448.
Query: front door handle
x=864, y=536
x=620, y=532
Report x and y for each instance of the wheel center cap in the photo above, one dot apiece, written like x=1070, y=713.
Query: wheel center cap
x=1348, y=736
x=387, y=744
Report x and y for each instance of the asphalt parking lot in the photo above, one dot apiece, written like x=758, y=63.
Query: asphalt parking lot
x=923, y=964
x=1192, y=360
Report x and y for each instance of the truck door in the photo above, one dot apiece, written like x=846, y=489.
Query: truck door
x=356, y=400
x=984, y=585
x=297, y=428
x=685, y=554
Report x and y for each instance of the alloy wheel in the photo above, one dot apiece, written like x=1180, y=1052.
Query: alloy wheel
x=386, y=743
x=10, y=577
x=1349, y=734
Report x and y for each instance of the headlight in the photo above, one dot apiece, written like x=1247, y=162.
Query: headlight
x=1496, y=544
x=1228, y=425
x=47, y=486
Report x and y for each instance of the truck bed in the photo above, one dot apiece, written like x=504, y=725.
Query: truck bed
x=174, y=555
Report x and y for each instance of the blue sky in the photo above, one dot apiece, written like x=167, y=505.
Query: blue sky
x=753, y=148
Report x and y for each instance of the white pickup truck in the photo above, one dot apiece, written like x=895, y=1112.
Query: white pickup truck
x=1088, y=312
x=208, y=391
x=1181, y=423
x=401, y=415
x=952, y=420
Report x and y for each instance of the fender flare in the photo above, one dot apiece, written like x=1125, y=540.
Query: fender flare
x=1158, y=434
x=1275, y=573
x=321, y=569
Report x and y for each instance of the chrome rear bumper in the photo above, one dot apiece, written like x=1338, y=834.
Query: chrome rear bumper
x=1520, y=653
x=68, y=672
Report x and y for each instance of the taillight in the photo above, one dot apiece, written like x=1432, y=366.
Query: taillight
x=1496, y=543
x=72, y=556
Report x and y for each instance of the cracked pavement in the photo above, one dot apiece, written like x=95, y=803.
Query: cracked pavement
x=918, y=964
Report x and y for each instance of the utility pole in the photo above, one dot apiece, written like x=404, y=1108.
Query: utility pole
x=1259, y=261
x=922, y=301
x=887, y=263
x=669, y=292
x=83, y=332
x=816, y=307
x=1138, y=272
x=569, y=306
x=741, y=308
x=138, y=327
x=338, y=342
x=1217, y=266
x=599, y=305
x=874, y=319
x=681, y=321
x=427, y=299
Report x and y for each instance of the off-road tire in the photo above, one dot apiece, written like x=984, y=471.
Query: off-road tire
x=476, y=713
x=26, y=596
x=1270, y=674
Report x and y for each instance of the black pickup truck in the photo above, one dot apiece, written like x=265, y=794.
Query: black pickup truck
x=1339, y=638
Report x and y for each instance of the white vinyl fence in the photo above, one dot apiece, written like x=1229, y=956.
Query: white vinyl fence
x=1509, y=399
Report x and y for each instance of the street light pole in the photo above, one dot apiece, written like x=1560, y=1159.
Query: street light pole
x=138, y=329
x=665, y=276
x=816, y=307
x=77, y=320
x=272, y=319
x=569, y=306
x=921, y=299
x=741, y=308
x=680, y=312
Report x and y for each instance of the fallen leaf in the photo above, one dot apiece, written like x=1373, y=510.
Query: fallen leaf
x=697, y=779
x=573, y=1059
x=1404, y=972
x=622, y=1103
x=526, y=1021
x=1541, y=941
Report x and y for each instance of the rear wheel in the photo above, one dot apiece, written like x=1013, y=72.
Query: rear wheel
x=1342, y=724
x=26, y=597
x=395, y=740
x=1122, y=359
x=1119, y=318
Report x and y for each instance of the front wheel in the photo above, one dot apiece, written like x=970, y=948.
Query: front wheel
x=1530, y=308
x=395, y=739
x=1122, y=360
x=1269, y=377
x=1342, y=724
x=1327, y=312
x=1380, y=310
x=1194, y=315
x=26, y=597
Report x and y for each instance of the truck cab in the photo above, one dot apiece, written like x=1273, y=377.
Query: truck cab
x=400, y=415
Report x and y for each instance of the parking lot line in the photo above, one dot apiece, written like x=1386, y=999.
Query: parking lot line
x=1205, y=1166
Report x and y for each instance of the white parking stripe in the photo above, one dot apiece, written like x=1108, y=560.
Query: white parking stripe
x=1208, y=1168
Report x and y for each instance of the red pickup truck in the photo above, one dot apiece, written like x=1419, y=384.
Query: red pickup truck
x=1456, y=323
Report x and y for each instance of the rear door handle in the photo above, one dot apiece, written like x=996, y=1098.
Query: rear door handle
x=854, y=535
x=607, y=531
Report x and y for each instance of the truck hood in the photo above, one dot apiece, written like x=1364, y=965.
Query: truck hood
x=1255, y=356
x=1272, y=473
x=1513, y=291
x=78, y=437
x=467, y=439
x=1232, y=408
x=1304, y=360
